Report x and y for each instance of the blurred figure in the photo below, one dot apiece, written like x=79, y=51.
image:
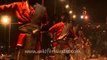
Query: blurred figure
x=87, y=48
x=62, y=33
x=32, y=16
x=33, y=31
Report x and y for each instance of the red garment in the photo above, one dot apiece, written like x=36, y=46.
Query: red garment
x=22, y=11
x=19, y=9
x=57, y=29
x=21, y=39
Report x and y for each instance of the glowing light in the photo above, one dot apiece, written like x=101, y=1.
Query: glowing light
x=70, y=12
x=74, y=16
x=86, y=17
x=81, y=16
x=5, y=19
x=67, y=6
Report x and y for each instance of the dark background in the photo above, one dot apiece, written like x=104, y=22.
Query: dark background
x=97, y=11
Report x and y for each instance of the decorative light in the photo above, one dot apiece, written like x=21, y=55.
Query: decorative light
x=81, y=16
x=67, y=6
x=74, y=16
x=5, y=19
x=70, y=12
x=86, y=17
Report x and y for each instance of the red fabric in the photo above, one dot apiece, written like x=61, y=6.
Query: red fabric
x=22, y=11
x=57, y=29
x=54, y=44
x=21, y=39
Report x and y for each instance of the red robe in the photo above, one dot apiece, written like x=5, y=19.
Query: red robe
x=22, y=11
x=58, y=29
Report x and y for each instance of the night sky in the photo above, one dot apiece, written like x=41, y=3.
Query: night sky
x=97, y=9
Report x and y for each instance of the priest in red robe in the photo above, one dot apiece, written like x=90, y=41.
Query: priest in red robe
x=31, y=16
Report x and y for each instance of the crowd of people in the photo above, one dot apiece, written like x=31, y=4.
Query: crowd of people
x=96, y=32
